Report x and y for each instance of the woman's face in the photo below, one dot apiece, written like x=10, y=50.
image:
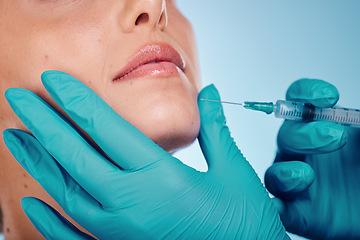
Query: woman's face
x=98, y=41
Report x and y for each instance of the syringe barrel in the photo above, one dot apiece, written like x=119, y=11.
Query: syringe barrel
x=308, y=112
x=293, y=110
x=345, y=116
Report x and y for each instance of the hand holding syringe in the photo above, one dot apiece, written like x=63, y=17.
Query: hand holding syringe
x=303, y=111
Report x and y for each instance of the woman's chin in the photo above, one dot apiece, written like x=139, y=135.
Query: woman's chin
x=172, y=138
x=170, y=117
x=171, y=132
x=173, y=143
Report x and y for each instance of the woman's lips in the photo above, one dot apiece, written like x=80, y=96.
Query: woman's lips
x=160, y=60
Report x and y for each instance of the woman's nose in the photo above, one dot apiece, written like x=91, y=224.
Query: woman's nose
x=143, y=13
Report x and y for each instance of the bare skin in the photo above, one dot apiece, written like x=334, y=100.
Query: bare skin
x=92, y=40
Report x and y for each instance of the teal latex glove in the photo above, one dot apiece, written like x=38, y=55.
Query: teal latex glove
x=315, y=177
x=152, y=195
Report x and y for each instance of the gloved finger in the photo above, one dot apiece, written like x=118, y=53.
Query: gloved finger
x=314, y=91
x=287, y=179
x=289, y=182
x=311, y=138
x=52, y=177
x=293, y=216
x=49, y=222
x=65, y=144
x=214, y=138
x=105, y=126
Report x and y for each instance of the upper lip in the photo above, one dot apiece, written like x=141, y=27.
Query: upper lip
x=152, y=53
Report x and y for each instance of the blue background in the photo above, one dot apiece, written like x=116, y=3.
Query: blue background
x=253, y=50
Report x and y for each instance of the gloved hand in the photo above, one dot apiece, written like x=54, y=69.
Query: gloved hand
x=315, y=177
x=151, y=195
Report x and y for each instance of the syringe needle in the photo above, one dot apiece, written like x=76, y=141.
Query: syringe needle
x=266, y=107
x=235, y=103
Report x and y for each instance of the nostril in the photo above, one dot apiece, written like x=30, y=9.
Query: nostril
x=162, y=17
x=142, y=18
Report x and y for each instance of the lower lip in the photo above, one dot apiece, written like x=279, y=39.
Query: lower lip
x=161, y=69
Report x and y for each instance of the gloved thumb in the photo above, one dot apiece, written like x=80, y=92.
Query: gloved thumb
x=287, y=179
x=215, y=140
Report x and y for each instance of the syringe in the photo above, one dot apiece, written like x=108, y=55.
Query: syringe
x=303, y=111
